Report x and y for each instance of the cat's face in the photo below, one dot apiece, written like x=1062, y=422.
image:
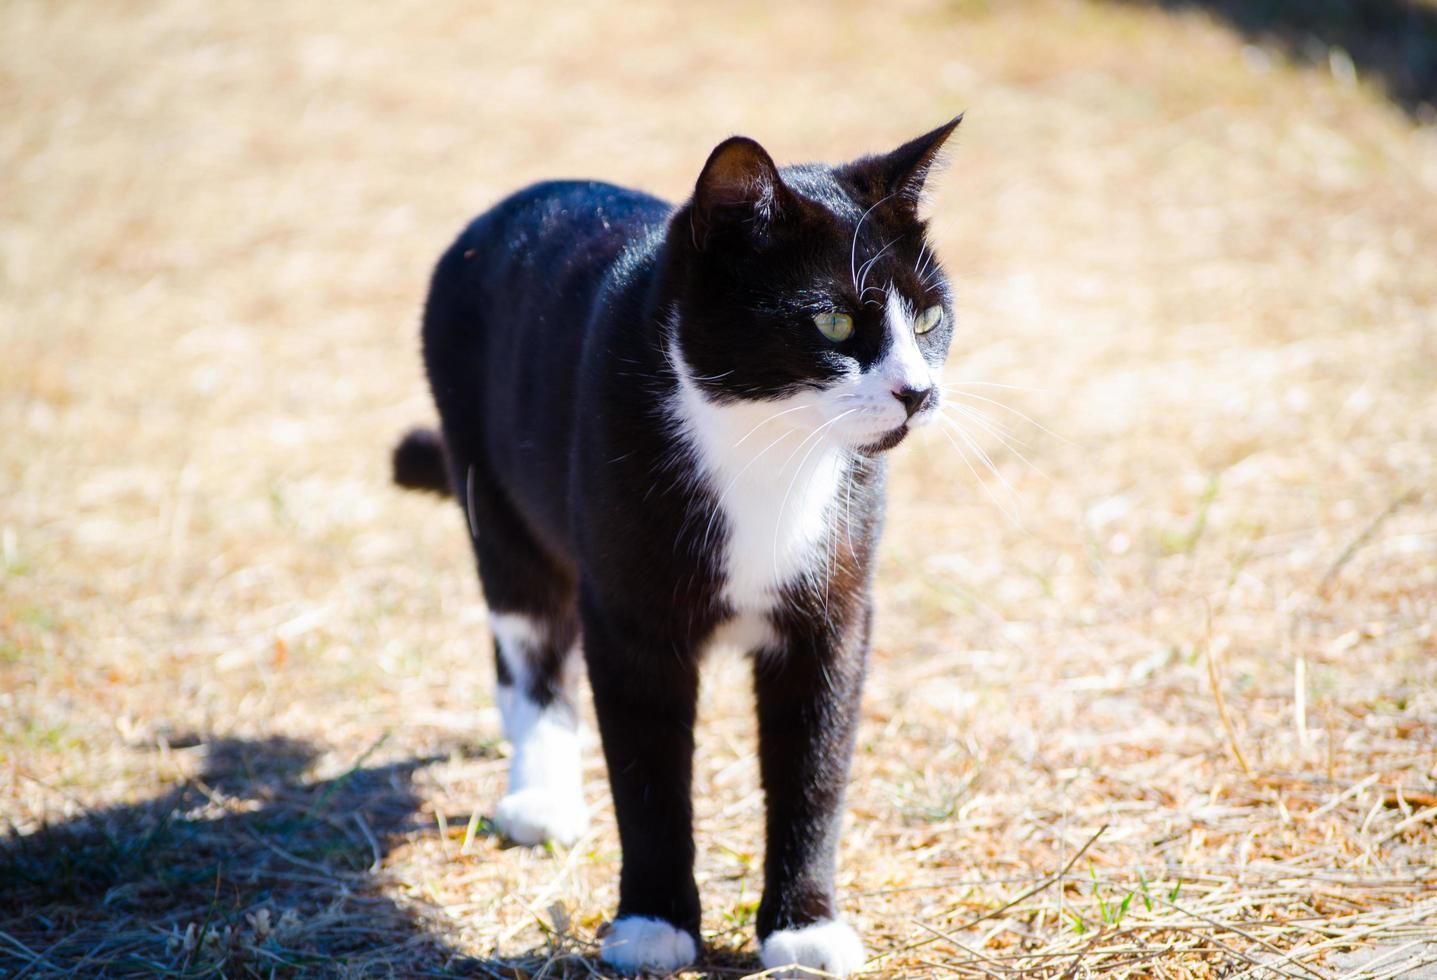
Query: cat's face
x=812, y=292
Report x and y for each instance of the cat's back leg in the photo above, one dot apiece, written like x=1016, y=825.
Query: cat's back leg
x=534, y=622
x=530, y=592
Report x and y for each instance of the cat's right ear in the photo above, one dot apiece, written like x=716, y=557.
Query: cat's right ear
x=739, y=184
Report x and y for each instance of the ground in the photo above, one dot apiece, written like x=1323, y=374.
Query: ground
x=1154, y=687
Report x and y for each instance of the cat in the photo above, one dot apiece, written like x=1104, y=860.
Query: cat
x=666, y=428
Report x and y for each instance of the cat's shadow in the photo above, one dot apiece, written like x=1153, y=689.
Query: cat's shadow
x=247, y=869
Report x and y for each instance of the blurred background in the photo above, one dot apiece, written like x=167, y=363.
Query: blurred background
x=1164, y=587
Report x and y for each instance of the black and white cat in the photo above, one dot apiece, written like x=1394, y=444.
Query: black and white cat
x=666, y=427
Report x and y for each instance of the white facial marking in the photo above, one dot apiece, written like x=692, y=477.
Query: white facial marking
x=637, y=942
x=830, y=945
x=778, y=466
x=903, y=365
x=545, y=801
x=866, y=399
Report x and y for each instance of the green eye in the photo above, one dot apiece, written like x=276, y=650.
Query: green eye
x=834, y=325
x=928, y=319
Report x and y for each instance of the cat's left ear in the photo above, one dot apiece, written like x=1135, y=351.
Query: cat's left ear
x=902, y=173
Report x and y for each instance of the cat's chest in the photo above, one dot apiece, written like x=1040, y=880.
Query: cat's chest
x=778, y=515
x=774, y=493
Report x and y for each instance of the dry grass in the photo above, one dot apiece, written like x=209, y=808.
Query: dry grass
x=245, y=694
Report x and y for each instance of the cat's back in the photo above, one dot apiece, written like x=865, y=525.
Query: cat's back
x=523, y=280
x=526, y=278
x=509, y=309
x=563, y=228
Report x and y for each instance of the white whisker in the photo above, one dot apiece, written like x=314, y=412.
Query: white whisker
x=848, y=506
x=978, y=448
x=963, y=455
x=717, y=507
x=931, y=269
x=988, y=426
x=766, y=421
x=1008, y=408
x=931, y=275
x=718, y=504
x=829, y=558
x=783, y=505
x=853, y=249
x=711, y=377
x=982, y=455
x=989, y=384
x=864, y=269
x=992, y=424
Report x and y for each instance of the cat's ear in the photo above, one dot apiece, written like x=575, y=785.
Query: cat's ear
x=900, y=175
x=739, y=184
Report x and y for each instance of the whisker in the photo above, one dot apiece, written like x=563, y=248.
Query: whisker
x=783, y=505
x=832, y=556
x=924, y=272
x=766, y=421
x=811, y=435
x=711, y=377
x=718, y=504
x=988, y=427
x=982, y=455
x=848, y=506
x=931, y=270
x=853, y=249
x=864, y=269
x=973, y=413
x=988, y=384
x=1008, y=408
x=978, y=479
x=931, y=275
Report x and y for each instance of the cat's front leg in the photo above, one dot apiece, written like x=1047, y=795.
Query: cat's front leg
x=645, y=689
x=808, y=700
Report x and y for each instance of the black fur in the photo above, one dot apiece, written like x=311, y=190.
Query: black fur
x=419, y=462
x=547, y=338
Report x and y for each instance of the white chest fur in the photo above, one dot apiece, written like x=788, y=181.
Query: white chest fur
x=777, y=477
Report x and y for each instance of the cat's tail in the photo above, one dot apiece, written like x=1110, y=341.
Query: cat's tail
x=421, y=462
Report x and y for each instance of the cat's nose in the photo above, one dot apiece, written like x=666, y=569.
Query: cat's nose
x=913, y=399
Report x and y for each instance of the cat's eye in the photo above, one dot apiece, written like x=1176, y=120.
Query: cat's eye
x=928, y=319
x=834, y=325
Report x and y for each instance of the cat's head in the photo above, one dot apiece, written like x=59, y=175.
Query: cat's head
x=812, y=291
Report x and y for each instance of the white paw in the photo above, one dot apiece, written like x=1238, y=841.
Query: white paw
x=534, y=816
x=637, y=942
x=830, y=946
